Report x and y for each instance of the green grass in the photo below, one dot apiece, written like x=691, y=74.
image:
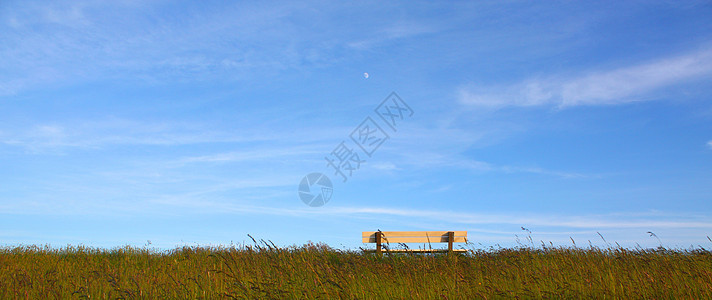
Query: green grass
x=318, y=271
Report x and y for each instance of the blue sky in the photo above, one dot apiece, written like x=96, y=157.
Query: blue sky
x=189, y=123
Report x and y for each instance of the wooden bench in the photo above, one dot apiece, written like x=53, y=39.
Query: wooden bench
x=426, y=237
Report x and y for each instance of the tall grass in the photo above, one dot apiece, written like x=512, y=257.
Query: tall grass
x=318, y=271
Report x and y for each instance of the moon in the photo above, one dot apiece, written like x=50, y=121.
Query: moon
x=365, y=75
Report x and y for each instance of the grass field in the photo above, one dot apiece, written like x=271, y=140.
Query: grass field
x=318, y=271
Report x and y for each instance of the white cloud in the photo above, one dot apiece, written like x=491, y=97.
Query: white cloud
x=581, y=221
x=399, y=30
x=451, y=159
x=267, y=153
x=59, y=43
x=618, y=86
x=84, y=40
x=709, y=144
x=610, y=221
x=176, y=202
x=93, y=134
x=385, y=166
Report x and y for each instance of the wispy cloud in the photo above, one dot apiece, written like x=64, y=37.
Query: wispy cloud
x=709, y=144
x=609, y=87
x=447, y=147
x=78, y=41
x=187, y=203
x=400, y=30
x=572, y=221
x=430, y=159
x=55, y=44
x=271, y=153
x=591, y=221
x=57, y=137
x=88, y=134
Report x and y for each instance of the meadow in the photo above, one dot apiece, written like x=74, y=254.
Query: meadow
x=263, y=270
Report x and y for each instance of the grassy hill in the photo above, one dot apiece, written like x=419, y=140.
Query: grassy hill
x=318, y=271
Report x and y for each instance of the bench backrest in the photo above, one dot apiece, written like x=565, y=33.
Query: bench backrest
x=414, y=236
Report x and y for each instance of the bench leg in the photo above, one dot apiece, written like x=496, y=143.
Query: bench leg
x=450, y=239
x=378, y=242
